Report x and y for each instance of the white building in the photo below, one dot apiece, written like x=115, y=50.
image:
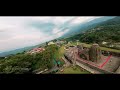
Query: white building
x=50, y=43
x=104, y=42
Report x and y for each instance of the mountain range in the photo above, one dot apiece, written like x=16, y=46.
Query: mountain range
x=79, y=28
x=107, y=31
x=21, y=50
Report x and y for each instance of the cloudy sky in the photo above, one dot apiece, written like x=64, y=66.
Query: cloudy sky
x=18, y=32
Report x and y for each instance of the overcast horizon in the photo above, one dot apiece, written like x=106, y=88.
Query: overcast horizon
x=19, y=32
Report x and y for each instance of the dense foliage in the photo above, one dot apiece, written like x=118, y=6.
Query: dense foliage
x=108, y=31
x=25, y=63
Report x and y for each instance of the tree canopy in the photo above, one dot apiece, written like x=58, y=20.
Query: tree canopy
x=26, y=63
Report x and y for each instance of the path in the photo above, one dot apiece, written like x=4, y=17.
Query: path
x=67, y=63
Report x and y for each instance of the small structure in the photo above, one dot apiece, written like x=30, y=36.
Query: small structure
x=111, y=45
x=6, y=57
x=104, y=42
x=50, y=43
x=59, y=43
x=69, y=42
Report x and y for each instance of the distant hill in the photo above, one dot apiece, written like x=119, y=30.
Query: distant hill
x=13, y=52
x=86, y=25
x=3, y=54
x=108, y=31
x=80, y=28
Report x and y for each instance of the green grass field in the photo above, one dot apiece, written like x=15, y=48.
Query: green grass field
x=60, y=53
x=74, y=70
x=102, y=48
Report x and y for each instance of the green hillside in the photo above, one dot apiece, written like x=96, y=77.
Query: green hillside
x=108, y=31
x=26, y=63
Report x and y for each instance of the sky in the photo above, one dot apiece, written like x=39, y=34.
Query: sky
x=19, y=32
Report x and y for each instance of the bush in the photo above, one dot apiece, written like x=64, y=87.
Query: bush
x=25, y=63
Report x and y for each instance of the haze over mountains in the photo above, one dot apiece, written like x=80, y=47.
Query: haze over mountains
x=45, y=31
x=86, y=25
x=107, y=31
x=19, y=32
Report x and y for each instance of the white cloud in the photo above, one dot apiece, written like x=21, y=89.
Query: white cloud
x=62, y=32
x=82, y=19
x=56, y=30
x=61, y=20
x=21, y=38
x=15, y=33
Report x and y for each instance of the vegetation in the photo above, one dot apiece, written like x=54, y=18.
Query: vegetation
x=108, y=31
x=102, y=48
x=74, y=70
x=25, y=63
x=59, y=54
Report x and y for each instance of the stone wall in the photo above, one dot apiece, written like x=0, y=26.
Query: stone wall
x=91, y=66
x=95, y=68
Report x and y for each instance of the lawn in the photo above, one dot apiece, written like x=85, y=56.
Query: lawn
x=73, y=70
x=60, y=53
x=102, y=48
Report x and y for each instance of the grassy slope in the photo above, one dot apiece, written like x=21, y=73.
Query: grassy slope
x=60, y=54
x=61, y=51
x=102, y=48
x=74, y=70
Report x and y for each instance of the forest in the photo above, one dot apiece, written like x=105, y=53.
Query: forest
x=108, y=31
x=26, y=63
